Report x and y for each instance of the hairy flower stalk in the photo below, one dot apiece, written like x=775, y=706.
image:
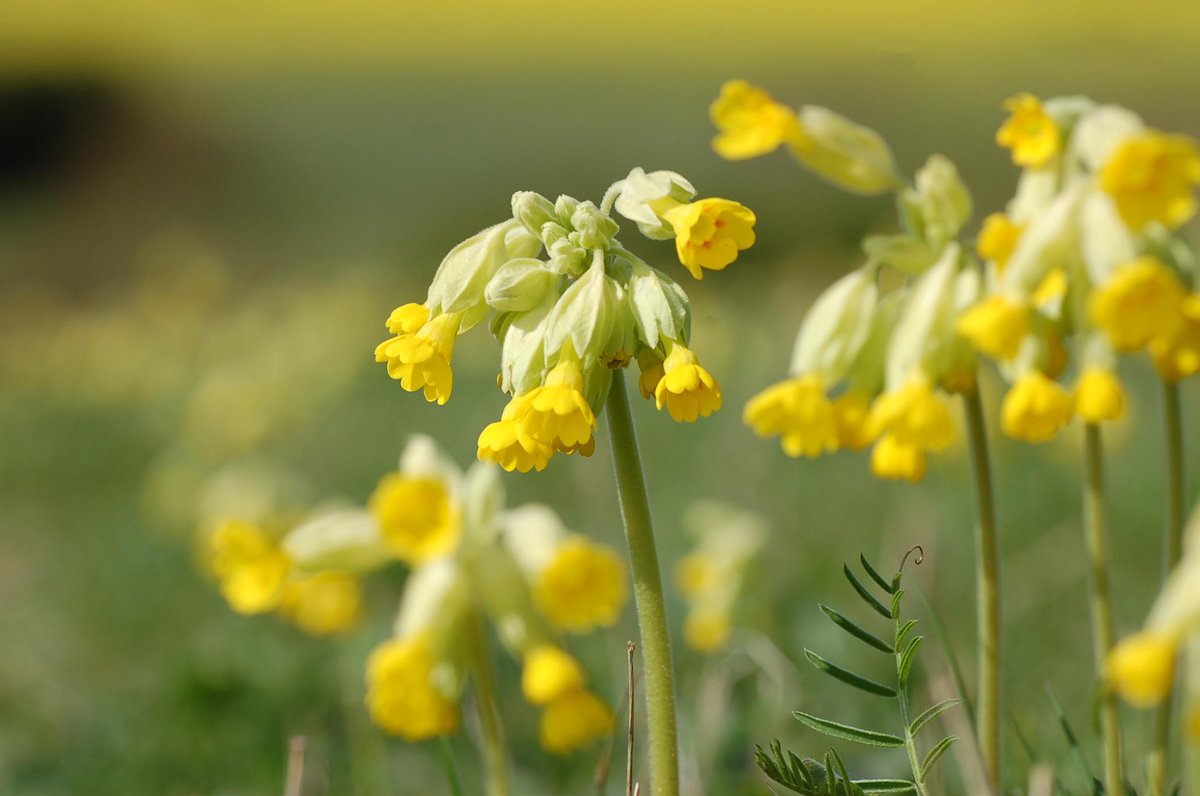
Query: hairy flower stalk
x=488, y=706
x=647, y=592
x=1103, y=634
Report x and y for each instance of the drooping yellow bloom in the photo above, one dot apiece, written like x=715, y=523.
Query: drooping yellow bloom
x=549, y=673
x=750, y=121
x=1035, y=408
x=323, y=604
x=696, y=573
x=421, y=359
x=1099, y=396
x=573, y=721
x=1153, y=177
x=408, y=319
x=706, y=629
x=1177, y=355
x=852, y=419
x=897, y=461
x=400, y=694
x=416, y=516
x=799, y=411
x=916, y=414
x=997, y=239
x=509, y=444
x=1029, y=132
x=582, y=587
x=1142, y=301
x=556, y=413
x=996, y=326
x=1142, y=668
x=709, y=233
x=651, y=367
x=250, y=565
x=686, y=388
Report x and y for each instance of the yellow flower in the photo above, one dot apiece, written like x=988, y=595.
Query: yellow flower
x=416, y=516
x=1177, y=355
x=706, y=629
x=916, y=415
x=507, y=442
x=709, y=233
x=852, y=419
x=582, y=587
x=408, y=319
x=421, y=359
x=1053, y=286
x=250, y=566
x=686, y=389
x=750, y=121
x=799, y=411
x=1029, y=132
x=897, y=461
x=998, y=238
x=323, y=604
x=1099, y=396
x=573, y=721
x=548, y=674
x=400, y=695
x=1035, y=408
x=1143, y=300
x=556, y=413
x=996, y=326
x=651, y=366
x=696, y=573
x=1153, y=177
x=1142, y=668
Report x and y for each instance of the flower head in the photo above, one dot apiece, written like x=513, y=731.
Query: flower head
x=401, y=695
x=416, y=516
x=706, y=629
x=573, y=721
x=420, y=360
x=1029, y=132
x=709, y=233
x=582, y=586
x=323, y=604
x=1035, y=408
x=557, y=413
x=508, y=442
x=1177, y=355
x=996, y=326
x=750, y=121
x=852, y=418
x=1152, y=177
x=894, y=460
x=998, y=238
x=916, y=415
x=799, y=412
x=1142, y=668
x=251, y=566
x=549, y=674
x=1142, y=301
x=686, y=388
x=1099, y=396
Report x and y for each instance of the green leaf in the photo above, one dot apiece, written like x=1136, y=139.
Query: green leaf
x=846, y=783
x=848, y=733
x=856, y=631
x=907, y=657
x=904, y=630
x=831, y=781
x=848, y=677
x=929, y=714
x=896, y=598
x=868, y=598
x=885, y=785
x=875, y=576
x=935, y=754
x=794, y=777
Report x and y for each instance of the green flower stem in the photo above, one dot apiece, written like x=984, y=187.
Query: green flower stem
x=1096, y=537
x=987, y=587
x=494, y=758
x=647, y=592
x=1156, y=763
x=451, y=766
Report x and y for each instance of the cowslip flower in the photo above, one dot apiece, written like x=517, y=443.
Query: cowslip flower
x=1153, y=177
x=998, y=238
x=1142, y=301
x=894, y=460
x=250, y=565
x=798, y=411
x=750, y=121
x=1035, y=408
x=1029, y=132
x=686, y=389
x=322, y=604
x=420, y=360
x=1142, y=668
x=996, y=326
x=1177, y=355
x=402, y=696
x=416, y=516
x=710, y=233
x=1099, y=396
x=572, y=716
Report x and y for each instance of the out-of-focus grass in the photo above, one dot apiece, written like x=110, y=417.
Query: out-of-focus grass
x=326, y=188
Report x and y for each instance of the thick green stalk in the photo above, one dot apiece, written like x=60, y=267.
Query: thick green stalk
x=647, y=593
x=1156, y=763
x=494, y=758
x=1096, y=538
x=987, y=591
x=451, y=766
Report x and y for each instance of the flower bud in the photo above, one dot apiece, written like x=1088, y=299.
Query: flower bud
x=595, y=230
x=520, y=285
x=941, y=201
x=646, y=197
x=849, y=155
x=584, y=314
x=533, y=210
x=660, y=307
x=564, y=208
x=836, y=327
x=567, y=258
x=459, y=282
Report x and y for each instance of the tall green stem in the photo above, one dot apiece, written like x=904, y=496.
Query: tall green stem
x=987, y=591
x=1096, y=537
x=647, y=592
x=1156, y=763
x=494, y=758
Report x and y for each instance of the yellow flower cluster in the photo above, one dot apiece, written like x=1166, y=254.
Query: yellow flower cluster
x=572, y=716
x=570, y=304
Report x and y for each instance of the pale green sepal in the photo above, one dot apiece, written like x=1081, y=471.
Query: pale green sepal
x=522, y=350
x=910, y=255
x=660, y=307
x=836, y=327
x=459, y=282
x=584, y=314
x=593, y=229
x=1105, y=242
x=483, y=500
x=645, y=197
x=941, y=199
x=533, y=211
x=849, y=155
x=345, y=539
x=925, y=332
x=520, y=285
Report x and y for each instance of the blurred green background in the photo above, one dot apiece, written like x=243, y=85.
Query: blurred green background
x=208, y=209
